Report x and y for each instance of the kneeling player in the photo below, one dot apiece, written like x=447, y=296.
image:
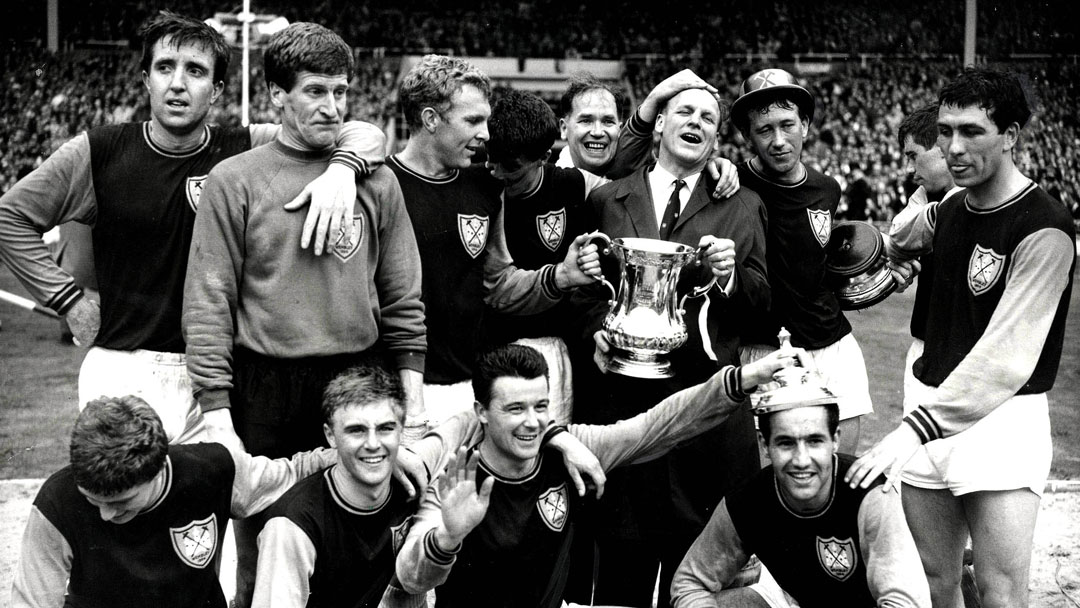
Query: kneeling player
x=824, y=543
x=498, y=534
x=133, y=521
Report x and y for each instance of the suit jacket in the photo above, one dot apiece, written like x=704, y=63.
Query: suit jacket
x=665, y=498
x=624, y=208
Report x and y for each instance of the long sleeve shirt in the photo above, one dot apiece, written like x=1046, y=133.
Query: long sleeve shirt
x=519, y=551
x=317, y=548
x=249, y=285
x=996, y=322
x=141, y=201
x=815, y=554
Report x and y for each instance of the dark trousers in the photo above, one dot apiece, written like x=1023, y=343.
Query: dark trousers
x=652, y=512
x=277, y=412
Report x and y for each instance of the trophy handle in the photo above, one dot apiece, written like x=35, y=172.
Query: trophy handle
x=701, y=290
x=605, y=251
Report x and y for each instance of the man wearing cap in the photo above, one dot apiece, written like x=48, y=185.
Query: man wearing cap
x=824, y=543
x=654, y=510
x=774, y=114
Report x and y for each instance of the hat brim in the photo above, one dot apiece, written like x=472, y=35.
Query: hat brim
x=772, y=408
x=800, y=96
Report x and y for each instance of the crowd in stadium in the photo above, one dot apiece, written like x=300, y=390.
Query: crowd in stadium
x=549, y=28
x=50, y=98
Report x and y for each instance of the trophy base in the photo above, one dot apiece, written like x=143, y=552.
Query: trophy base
x=649, y=367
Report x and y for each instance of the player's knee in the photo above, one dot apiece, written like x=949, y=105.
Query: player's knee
x=1002, y=590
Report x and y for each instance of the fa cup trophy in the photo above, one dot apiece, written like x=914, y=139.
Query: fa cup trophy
x=645, y=321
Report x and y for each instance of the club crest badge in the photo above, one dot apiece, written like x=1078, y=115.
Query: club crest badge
x=399, y=532
x=765, y=79
x=473, y=230
x=345, y=248
x=554, y=505
x=837, y=557
x=551, y=227
x=984, y=269
x=196, y=542
x=194, y=188
x=820, y=224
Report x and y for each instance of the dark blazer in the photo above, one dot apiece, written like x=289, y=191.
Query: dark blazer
x=667, y=498
x=624, y=208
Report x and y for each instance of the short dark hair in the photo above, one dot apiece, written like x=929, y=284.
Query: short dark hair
x=508, y=360
x=183, y=31
x=521, y=125
x=762, y=104
x=361, y=385
x=117, y=444
x=432, y=83
x=996, y=91
x=581, y=83
x=832, y=411
x=306, y=47
x=921, y=126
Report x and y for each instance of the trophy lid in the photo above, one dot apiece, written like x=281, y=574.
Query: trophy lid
x=799, y=387
x=855, y=266
x=853, y=249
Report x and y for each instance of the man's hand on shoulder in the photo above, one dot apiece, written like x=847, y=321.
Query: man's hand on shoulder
x=726, y=175
x=410, y=472
x=887, y=457
x=332, y=196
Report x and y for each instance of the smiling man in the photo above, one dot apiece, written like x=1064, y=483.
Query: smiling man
x=824, y=543
x=138, y=186
x=774, y=113
x=1005, y=254
x=332, y=539
x=268, y=325
x=133, y=521
x=495, y=531
x=655, y=510
x=590, y=124
x=457, y=214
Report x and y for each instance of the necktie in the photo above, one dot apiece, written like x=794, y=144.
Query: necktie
x=671, y=212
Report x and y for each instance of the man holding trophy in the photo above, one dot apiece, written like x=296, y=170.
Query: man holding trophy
x=652, y=512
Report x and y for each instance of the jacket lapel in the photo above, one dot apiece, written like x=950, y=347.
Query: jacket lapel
x=635, y=196
x=699, y=199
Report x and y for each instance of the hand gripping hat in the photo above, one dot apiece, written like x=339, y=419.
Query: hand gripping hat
x=799, y=387
x=772, y=84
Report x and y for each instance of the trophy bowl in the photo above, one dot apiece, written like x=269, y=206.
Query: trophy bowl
x=855, y=266
x=645, y=322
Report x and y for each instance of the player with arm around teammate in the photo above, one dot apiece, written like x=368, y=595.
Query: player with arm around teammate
x=138, y=185
x=331, y=540
x=1005, y=255
x=497, y=528
x=823, y=543
x=457, y=216
x=268, y=325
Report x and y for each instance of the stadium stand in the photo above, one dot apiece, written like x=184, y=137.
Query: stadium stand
x=865, y=76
